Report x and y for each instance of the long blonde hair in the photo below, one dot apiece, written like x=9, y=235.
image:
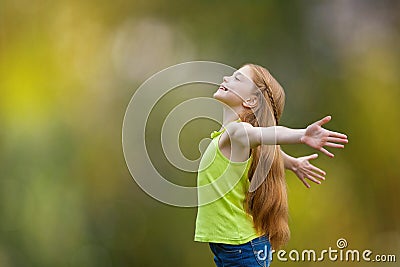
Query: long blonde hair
x=268, y=204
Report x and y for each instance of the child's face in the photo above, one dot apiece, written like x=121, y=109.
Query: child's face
x=237, y=90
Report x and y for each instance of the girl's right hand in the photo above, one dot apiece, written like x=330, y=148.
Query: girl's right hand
x=305, y=170
x=317, y=137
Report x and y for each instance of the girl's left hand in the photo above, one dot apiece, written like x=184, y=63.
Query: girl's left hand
x=305, y=170
x=317, y=137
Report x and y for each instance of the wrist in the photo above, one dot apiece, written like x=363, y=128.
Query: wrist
x=302, y=134
x=294, y=165
x=291, y=163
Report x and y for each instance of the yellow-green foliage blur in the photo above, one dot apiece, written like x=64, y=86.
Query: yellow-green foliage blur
x=69, y=68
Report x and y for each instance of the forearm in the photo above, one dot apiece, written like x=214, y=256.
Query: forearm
x=280, y=135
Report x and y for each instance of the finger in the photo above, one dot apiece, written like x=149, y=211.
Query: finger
x=316, y=175
x=323, y=120
x=337, y=140
x=313, y=156
x=336, y=134
x=334, y=145
x=326, y=152
x=317, y=170
x=305, y=183
x=309, y=177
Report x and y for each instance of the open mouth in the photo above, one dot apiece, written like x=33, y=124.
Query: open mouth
x=223, y=88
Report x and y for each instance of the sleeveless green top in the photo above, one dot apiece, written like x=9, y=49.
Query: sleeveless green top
x=222, y=186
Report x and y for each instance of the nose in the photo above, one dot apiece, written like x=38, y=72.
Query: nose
x=225, y=79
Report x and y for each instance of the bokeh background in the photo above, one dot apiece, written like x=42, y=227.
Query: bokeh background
x=69, y=68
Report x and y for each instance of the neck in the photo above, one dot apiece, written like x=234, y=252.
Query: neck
x=230, y=114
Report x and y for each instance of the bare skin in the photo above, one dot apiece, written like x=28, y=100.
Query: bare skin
x=238, y=92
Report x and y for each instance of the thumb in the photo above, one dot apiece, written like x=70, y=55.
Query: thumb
x=324, y=120
x=313, y=156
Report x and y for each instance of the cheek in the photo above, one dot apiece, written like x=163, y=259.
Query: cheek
x=240, y=94
x=242, y=89
x=229, y=98
x=246, y=91
x=237, y=97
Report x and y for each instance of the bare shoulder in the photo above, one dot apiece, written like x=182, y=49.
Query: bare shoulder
x=235, y=128
x=242, y=132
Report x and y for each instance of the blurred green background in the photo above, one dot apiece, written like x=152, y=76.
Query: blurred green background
x=69, y=68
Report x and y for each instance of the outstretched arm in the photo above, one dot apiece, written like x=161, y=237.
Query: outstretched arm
x=303, y=168
x=314, y=136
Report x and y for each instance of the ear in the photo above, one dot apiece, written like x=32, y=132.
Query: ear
x=250, y=102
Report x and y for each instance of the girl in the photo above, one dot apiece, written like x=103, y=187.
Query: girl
x=244, y=224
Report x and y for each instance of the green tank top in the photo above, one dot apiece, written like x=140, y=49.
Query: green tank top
x=221, y=217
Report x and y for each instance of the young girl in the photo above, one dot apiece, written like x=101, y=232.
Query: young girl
x=246, y=222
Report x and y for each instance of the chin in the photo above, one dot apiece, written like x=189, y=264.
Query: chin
x=218, y=97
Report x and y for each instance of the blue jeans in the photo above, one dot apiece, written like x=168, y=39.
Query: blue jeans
x=256, y=252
